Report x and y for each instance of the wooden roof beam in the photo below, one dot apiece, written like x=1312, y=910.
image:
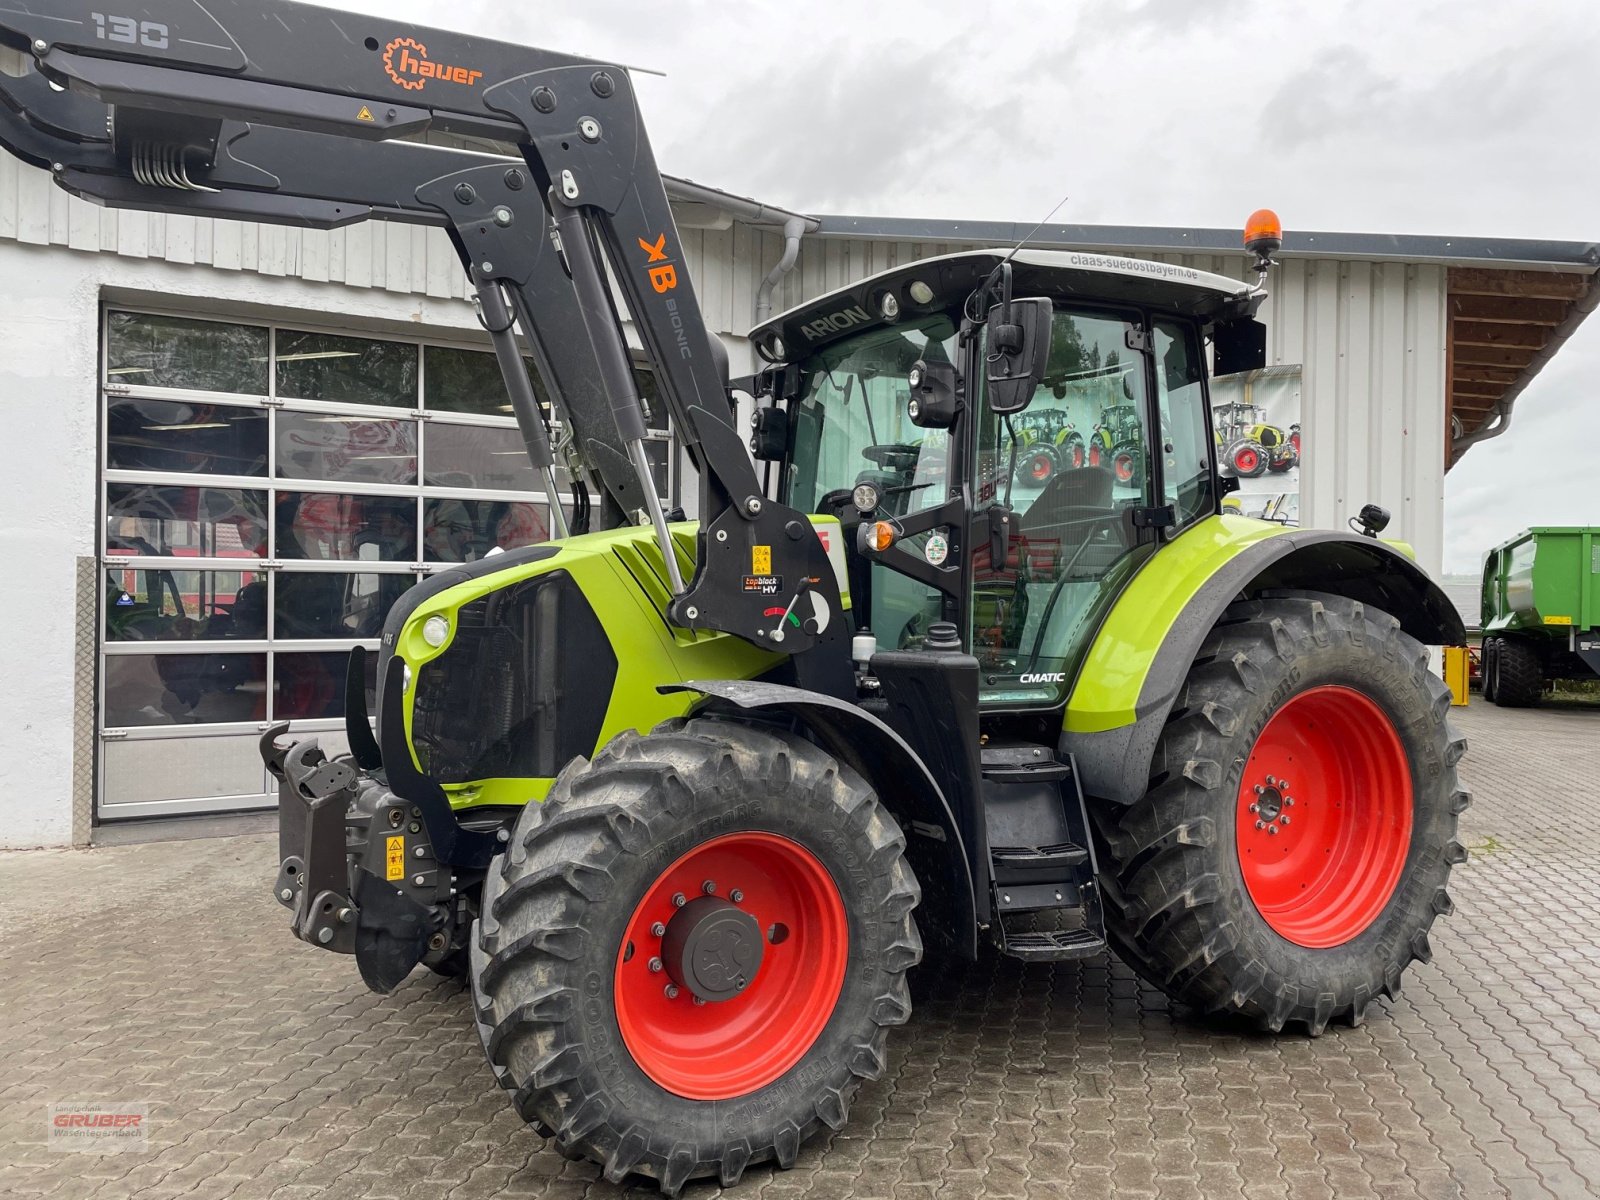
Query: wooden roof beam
x=1540, y=285
x=1485, y=333
x=1509, y=310
x=1488, y=356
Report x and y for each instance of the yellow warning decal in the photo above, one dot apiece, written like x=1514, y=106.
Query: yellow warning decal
x=761, y=560
x=1558, y=620
x=394, y=864
x=365, y=114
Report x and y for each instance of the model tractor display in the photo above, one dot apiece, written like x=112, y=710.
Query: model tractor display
x=685, y=801
x=1249, y=446
x=1048, y=442
x=1541, y=613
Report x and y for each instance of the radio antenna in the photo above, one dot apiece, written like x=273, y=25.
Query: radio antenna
x=982, y=293
x=1023, y=240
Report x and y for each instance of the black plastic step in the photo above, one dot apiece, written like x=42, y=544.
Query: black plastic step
x=1053, y=945
x=1064, y=856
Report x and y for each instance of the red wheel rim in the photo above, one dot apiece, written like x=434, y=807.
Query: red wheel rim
x=1040, y=467
x=1245, y=460
x=728, y=1048
x=1124, y=467
x=1077, y=456
x=1324, y=818
x=1094, y=456
x=1294, y=440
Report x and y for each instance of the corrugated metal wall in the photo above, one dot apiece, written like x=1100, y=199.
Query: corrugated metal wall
x=1371, y=335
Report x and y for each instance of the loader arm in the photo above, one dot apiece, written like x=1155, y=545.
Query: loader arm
x=173, y=72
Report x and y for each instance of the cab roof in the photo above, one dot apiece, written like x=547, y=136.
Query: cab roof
x=1063, y=275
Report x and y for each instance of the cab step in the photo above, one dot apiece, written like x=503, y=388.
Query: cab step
x=1051, y=945
x=1044, y=897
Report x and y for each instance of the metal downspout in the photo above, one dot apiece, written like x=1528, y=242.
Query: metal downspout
x=793, y=230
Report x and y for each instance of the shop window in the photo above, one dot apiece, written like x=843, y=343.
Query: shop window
x=186, y=438
x=143, y=350
x=347, y=449
x=346, y=370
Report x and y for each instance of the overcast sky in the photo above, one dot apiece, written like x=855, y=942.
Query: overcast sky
x=1395, y=116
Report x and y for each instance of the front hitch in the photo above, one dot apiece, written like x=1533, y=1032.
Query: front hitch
x=356, y=865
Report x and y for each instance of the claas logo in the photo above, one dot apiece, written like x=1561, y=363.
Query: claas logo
x=665, y=277
x=407, y=63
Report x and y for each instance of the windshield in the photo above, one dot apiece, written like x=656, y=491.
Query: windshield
x=851, y=424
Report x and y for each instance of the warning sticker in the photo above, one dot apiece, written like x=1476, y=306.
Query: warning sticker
x=394, y=858
x=761, y=560
x=763, y=585
x=1558, y=620
x=365, y=114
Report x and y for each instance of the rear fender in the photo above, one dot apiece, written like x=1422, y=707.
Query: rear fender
x=934, y=846
x=1113, y=741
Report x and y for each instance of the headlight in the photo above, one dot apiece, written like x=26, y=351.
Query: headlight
x=865, y=497
x=889, y=306
x=435, y=630
x=405, y=677
x=920, y=292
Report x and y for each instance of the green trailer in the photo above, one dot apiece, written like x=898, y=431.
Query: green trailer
x=1541, y=612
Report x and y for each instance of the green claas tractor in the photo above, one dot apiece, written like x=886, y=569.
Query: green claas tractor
x=686, y=800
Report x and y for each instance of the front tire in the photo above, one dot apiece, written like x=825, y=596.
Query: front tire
x=1304, y=907
x=798, y=901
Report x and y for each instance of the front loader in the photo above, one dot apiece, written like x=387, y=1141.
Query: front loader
x=684, y=800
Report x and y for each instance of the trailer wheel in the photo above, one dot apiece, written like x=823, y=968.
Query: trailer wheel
x=1491, y=669
x=692, y=951
x=1518, y=674
x=1294, y=845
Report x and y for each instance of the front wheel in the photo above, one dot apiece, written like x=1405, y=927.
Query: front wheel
x=1293, y=848
x=690, y=955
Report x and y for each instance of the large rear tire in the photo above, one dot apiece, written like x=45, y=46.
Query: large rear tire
x=692, y=951
x=1300, y=826
x=1518, y=674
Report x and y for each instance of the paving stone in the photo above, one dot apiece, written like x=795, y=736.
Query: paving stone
x=272, y=1074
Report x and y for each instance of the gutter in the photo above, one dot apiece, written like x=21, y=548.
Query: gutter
x=752, y=212
x=1500, y=414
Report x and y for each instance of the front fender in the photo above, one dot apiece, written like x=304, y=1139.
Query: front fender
x=1143, y=650
x=934, y=845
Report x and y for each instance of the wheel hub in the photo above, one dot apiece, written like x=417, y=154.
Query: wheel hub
x=1271, y=800
x=713, y=948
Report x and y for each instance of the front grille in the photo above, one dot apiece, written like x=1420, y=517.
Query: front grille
x=522, y=689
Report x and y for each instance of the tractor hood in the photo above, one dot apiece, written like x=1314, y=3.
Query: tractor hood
x=1063, y=275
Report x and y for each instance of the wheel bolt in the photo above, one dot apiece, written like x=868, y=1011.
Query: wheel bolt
x=1261, y=824
x=1272, y=830
x=1283, y=820
x=1283, y=785
x=709, y=887
x=1255, y=808
x=671, y=991
x=698, y=1002
x=736, y=896
x=1259, y=789
x=1271, y=782
x=678, y=900
x=658, y=930
x=1288, y=801
x=655, y=964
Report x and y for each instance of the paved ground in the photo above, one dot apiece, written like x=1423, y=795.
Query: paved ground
x=163, y=973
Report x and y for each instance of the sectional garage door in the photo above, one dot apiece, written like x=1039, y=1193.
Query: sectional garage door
x=268, y=491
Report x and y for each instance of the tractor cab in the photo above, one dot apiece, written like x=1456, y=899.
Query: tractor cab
x=1020, y=523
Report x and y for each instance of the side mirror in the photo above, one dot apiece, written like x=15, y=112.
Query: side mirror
x=933, y=403
x=1018, y=350
x=1238, y=346
x=769, y=441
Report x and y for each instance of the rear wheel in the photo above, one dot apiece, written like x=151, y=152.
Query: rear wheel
x=1038, y=465
x=1127, y=465
x=1294, y=846
x=1518, y=674
x=691, y=954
